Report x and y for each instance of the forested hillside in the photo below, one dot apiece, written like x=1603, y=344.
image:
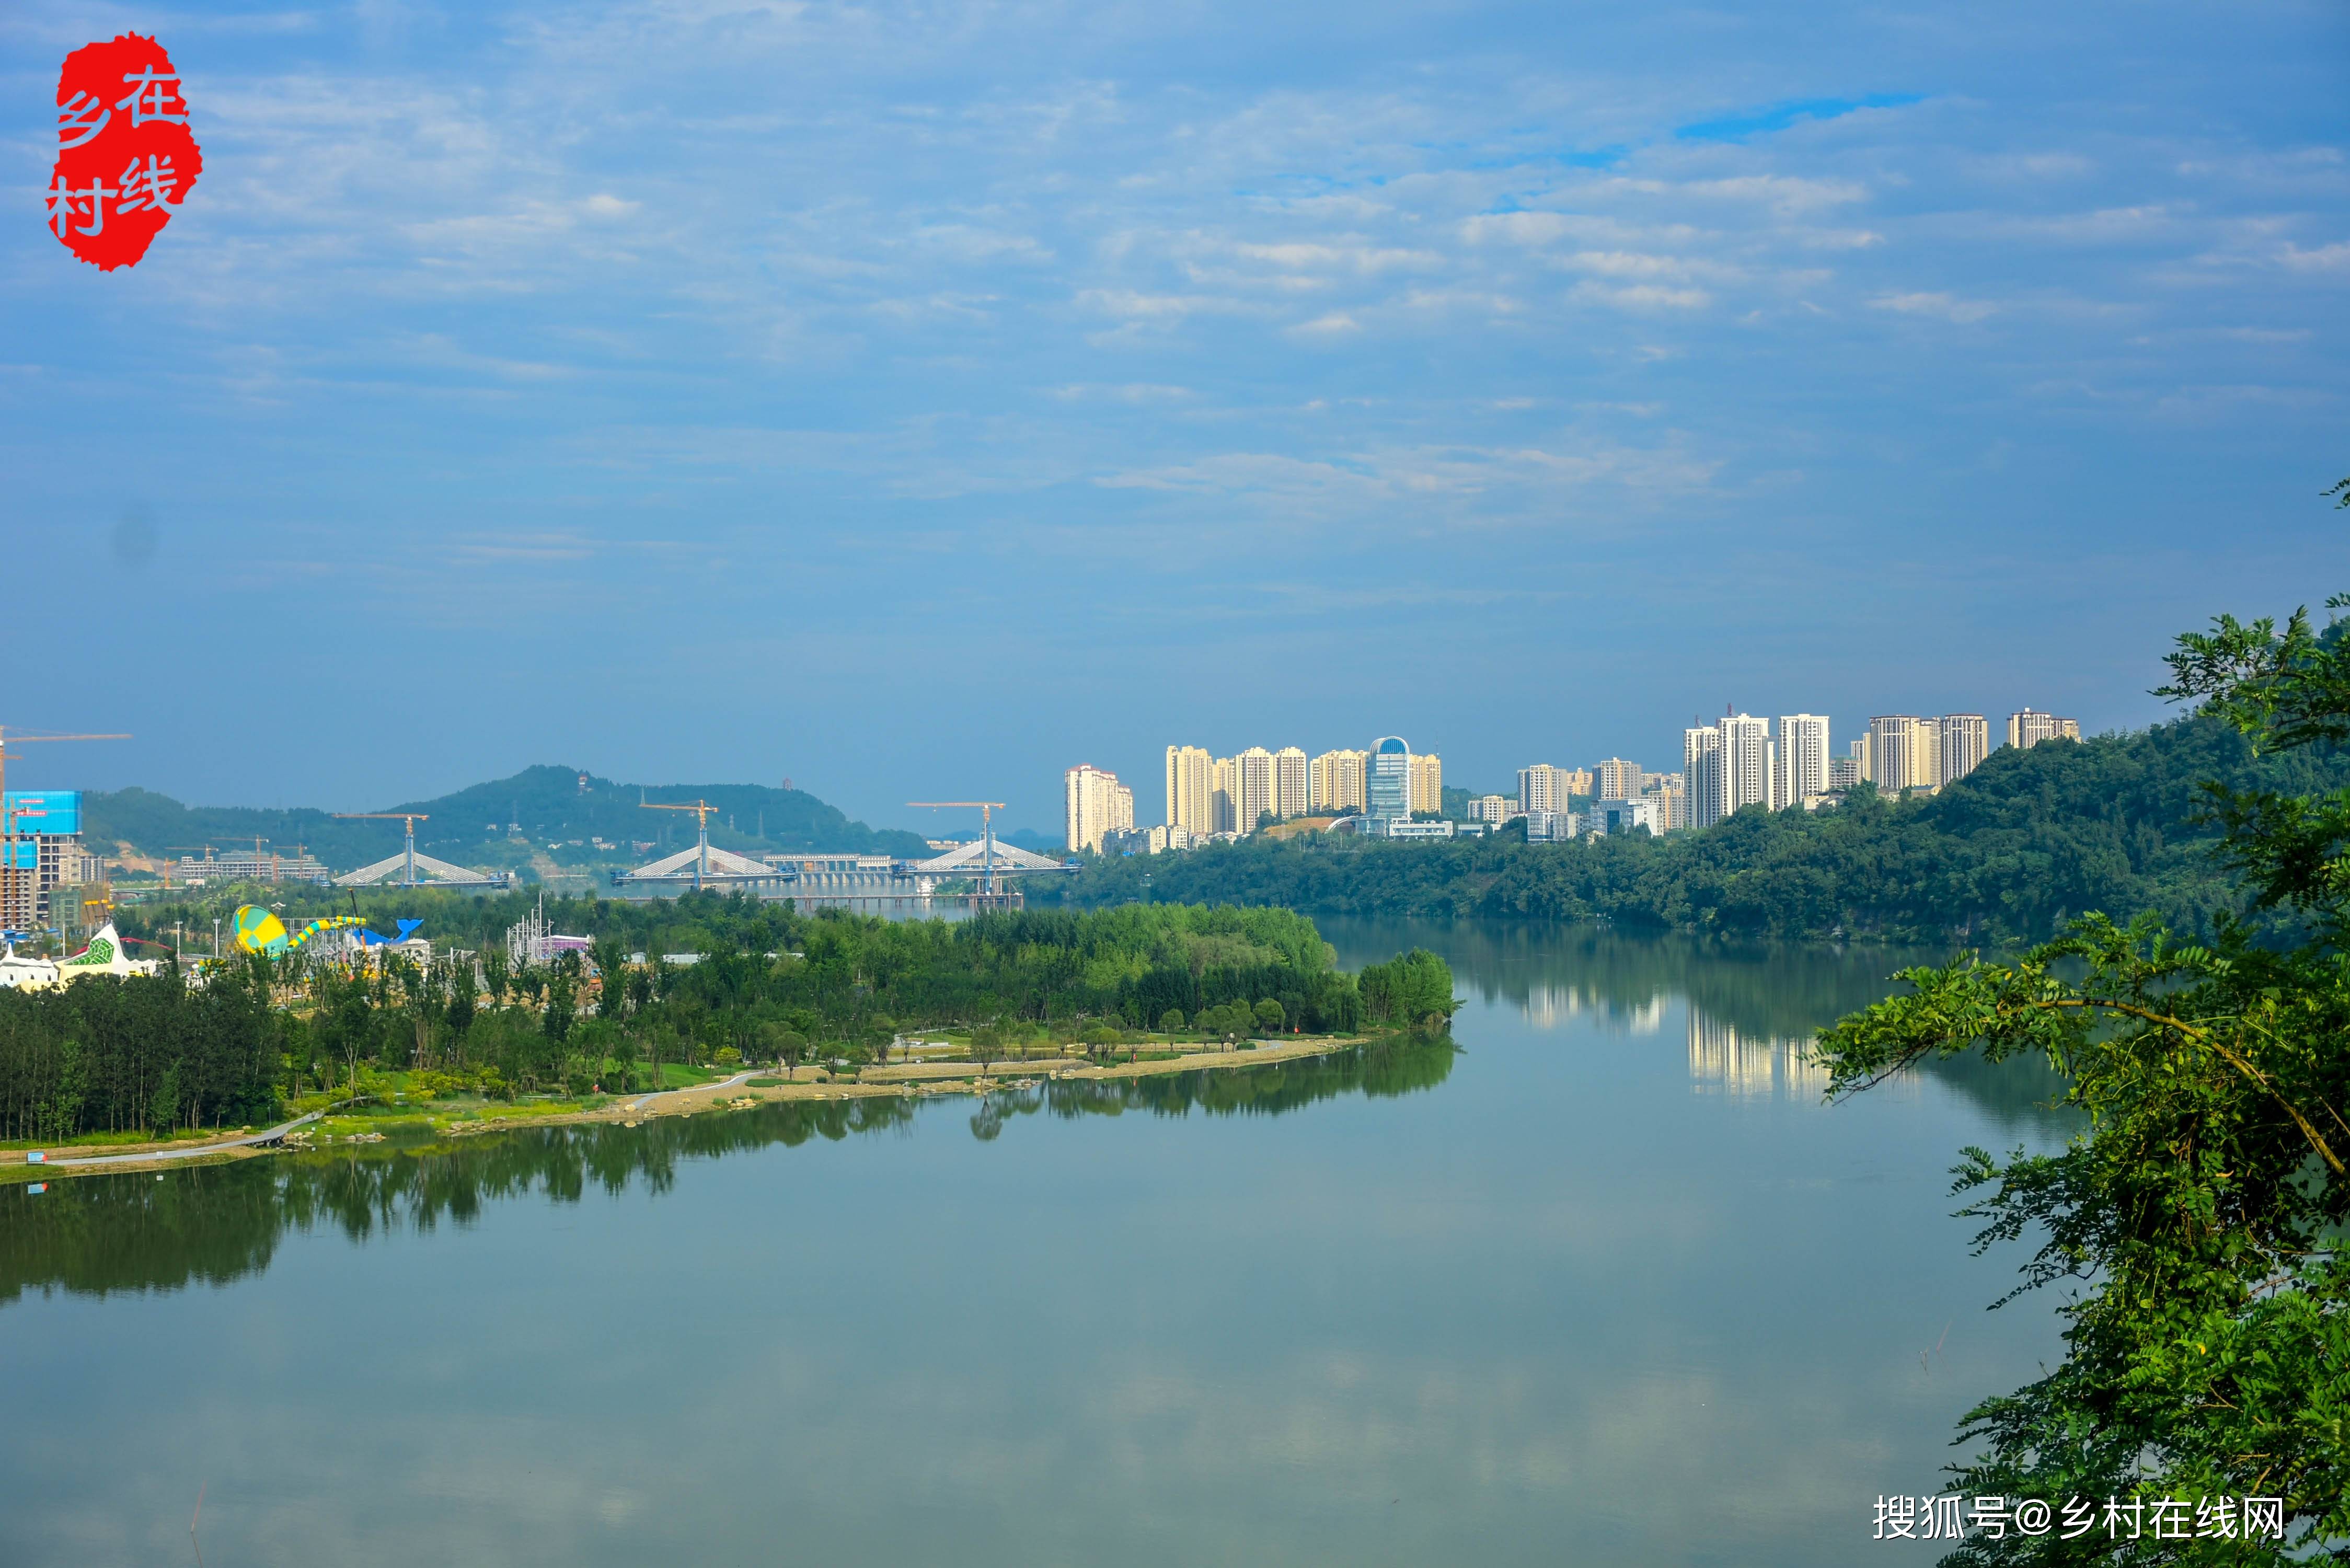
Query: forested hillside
x=2028, y=839
x=473, y=826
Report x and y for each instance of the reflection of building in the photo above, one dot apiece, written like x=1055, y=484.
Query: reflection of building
x=1097, y=804
x=1721, y=1060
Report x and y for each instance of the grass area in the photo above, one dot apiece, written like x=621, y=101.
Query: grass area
x=108, y=1139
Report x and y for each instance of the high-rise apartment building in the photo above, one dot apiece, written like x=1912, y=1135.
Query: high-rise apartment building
x=1227, y=794
x=1842, y=772
x=1335, y=781
x=42, y=858
x=1617, y=779
x=1543, y=787
x=1252, y=800
x=1190, y=789
x=1701, y=765
x=1904, y=751
x=1097, y=804
x=1427, y=783
x=1386, y=785
x=1965, y=741
x=1729, y=765
x=2029, y=729
x=1803, y=759
x=1291, y=781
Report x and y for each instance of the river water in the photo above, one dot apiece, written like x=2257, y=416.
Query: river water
x=1608, y=1285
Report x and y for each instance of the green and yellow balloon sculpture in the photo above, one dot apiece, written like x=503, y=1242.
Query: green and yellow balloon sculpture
x=259, y=931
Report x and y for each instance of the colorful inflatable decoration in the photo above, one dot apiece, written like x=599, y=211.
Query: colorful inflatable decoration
x=259, y=931
x=372, y=940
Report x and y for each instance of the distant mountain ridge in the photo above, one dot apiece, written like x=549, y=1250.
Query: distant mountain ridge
x=472, y=826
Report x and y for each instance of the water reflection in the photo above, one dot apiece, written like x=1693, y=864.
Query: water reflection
x=1723, y=1060
x=99, y=1235
x=1751, y=1008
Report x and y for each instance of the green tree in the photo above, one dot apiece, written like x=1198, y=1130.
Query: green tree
x=1172, y=1021
x=461, y=1003
x=1270, y=1016
x=2198, y=1219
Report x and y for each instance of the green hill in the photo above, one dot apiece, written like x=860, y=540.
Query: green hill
x=476, y=825
x=2027, y=839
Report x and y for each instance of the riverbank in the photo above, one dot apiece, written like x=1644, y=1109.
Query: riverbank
x=750, y=1088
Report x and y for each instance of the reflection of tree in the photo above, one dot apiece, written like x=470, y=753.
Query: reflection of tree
x=211, y=1224
x=1398, y=1064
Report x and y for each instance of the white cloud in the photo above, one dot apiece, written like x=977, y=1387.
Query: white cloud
x=1949, y=307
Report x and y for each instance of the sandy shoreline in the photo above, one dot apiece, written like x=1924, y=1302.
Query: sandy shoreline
x=916, y=1078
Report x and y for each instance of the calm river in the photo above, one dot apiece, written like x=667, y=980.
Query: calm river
x=1610, y=1286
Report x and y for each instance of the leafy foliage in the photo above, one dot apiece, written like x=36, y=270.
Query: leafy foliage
x=766, y=984
x=136, y=1055
x=2199, y=1221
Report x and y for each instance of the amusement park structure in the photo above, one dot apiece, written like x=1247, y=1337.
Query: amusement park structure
x=416, y=870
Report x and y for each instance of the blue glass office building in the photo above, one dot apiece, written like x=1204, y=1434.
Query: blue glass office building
x=1386, y=782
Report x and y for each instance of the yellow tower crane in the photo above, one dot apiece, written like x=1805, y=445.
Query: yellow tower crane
x=8, y=852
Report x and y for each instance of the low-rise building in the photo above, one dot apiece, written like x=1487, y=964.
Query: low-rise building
x=1553, y=826
x=1623, y=817
x=1492, y=808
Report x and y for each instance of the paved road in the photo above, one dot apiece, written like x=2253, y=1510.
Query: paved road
x=643, y=1100
x=193, y=1152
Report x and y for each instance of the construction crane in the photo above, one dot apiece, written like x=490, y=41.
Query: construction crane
x=702, y=810
x=410, y=817
x=8, y=867
x=986, y=837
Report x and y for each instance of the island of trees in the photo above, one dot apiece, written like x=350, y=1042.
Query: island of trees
x=727, y=980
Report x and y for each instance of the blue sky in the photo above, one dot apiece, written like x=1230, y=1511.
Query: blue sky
x=916, y=401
